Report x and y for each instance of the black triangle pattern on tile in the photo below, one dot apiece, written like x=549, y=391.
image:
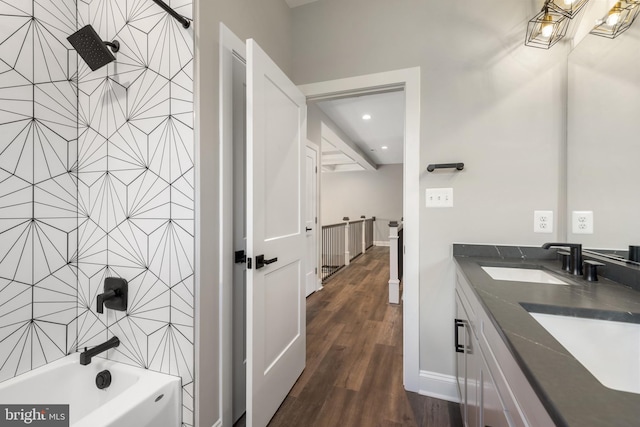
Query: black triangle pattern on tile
x=136, y=188
x=96, y=179
x=38, y=186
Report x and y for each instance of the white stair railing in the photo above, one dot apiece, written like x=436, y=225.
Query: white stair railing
x=343, y=242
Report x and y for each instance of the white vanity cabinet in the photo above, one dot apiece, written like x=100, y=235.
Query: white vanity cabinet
x=493, y=389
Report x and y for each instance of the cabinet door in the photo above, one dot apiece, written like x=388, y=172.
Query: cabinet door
x=467, y=365
x=492, y=413
x=474, y=382
x=460, y=334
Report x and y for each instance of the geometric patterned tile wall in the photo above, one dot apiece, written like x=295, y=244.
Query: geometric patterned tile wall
x=38, y=184
x=136, y=187
x=96, y=179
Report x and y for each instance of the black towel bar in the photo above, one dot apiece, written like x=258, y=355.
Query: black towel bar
x=458, y=166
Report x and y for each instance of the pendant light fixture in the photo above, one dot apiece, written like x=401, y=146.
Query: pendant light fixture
x=568, y=8
x=546, y=28
x=618, y=19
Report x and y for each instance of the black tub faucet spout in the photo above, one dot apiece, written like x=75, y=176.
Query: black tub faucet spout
x=575, y=257
x=87, y=354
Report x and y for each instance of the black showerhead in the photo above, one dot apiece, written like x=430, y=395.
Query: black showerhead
x=91, y=48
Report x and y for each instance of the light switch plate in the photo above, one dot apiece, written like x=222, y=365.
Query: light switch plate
x=543, y=221
x=439, y=197
x=582, y=222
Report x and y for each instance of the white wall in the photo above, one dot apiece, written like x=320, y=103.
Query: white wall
x=269, y=23
x=603, y=148
x=486, y=100
x=372, y=193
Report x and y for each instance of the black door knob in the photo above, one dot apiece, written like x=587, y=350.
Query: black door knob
x=261, y=262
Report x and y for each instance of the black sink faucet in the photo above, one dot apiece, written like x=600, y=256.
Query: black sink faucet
x=86, y=355
x=575, y=257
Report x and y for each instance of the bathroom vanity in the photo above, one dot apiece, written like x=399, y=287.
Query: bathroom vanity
x=537, y=346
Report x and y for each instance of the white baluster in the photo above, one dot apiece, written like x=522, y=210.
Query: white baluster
x=394, y=281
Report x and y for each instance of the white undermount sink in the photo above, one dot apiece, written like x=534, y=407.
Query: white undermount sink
x=522, y=275
x=609, y=350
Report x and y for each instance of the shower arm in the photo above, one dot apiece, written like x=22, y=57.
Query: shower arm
x=186, y=23
x=114, y=45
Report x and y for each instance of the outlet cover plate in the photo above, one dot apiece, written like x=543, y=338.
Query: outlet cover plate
x=439, y=197
x=543, y=221
x=582, y=222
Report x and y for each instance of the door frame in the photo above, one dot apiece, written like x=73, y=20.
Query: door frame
x=409, y=78
x=231, y=46
x=318, y=225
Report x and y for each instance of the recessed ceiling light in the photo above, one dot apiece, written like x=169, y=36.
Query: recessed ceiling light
x=384, y=147
x=366, y=117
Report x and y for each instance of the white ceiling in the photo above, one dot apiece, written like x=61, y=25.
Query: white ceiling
x=296, y=3
x=385, y=128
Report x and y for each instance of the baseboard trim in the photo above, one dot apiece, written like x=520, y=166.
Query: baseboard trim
x=381, y=243
x=439, y=386
x=218, y=423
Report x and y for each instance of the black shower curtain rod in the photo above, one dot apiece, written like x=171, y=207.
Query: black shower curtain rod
x=184, y=21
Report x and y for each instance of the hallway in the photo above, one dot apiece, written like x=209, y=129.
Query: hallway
x=353, y=375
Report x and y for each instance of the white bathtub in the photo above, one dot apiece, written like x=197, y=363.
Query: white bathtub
x=132, y=399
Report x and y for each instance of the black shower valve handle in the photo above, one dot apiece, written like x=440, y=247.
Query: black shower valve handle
x=113, y=293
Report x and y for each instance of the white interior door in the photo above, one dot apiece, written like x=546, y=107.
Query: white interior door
x=276, y=332
x=311, y=215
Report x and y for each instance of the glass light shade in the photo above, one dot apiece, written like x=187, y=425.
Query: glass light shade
x=546, y=29
x=618, y=20
x=568, y=8
x=613, y=18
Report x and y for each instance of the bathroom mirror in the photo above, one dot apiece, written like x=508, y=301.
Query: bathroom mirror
x=603, y=137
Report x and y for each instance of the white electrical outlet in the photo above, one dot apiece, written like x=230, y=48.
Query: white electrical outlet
x=439, y=197
x=543, y=221
x=582, y=222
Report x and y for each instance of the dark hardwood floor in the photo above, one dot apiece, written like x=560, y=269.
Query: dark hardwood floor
x=353, y=375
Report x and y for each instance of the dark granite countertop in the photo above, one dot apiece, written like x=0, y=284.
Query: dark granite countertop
x=569, y=392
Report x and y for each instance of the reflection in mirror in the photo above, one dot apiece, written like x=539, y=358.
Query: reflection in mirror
x=612, y=254
x=603, y=128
